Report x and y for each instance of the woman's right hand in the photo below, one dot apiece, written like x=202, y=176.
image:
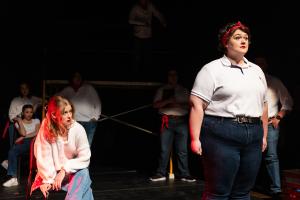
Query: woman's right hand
x=45, y=189
x=196, y=147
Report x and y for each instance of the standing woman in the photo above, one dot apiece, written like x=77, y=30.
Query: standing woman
x=62, y=153
x=228, y=105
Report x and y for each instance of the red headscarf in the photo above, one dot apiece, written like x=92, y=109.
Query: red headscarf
x=230, y=30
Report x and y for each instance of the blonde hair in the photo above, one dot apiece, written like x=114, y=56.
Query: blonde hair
x=53, y=121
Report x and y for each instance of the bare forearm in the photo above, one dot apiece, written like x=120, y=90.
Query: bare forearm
x=30, y=135
x=196, y=118
x=21, y=129
x=264, y=119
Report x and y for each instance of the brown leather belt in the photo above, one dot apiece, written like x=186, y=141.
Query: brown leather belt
x=240, y=119
x=249, y=120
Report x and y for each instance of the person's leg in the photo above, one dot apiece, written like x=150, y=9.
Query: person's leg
x=14, y=152
x=181, y=137
x=272, y=161
x=250, y=159
x=79, y=186
x=11, y=133
x=223, y=148
x=220, y=156
x=166, y=140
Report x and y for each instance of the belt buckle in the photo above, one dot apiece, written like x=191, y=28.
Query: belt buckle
x=241, y=119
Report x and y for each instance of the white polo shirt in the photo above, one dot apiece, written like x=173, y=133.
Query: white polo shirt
x=231, y=90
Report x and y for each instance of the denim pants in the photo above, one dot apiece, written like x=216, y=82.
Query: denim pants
x=11, y=133
x=232, y=155
x=176, y=131
x=90, y=129
x=78, y=186
x=13, y=153
x=271, y=158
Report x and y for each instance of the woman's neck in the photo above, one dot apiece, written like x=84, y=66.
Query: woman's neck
x=236, y=60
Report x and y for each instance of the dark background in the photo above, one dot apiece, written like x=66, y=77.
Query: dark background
x=45, y=40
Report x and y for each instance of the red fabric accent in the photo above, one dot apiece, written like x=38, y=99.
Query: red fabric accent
x=5, y=130
x=38, y=181
x=164, y=122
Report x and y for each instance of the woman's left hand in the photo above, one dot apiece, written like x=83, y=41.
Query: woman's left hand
x=275, y=122
x=58, y=180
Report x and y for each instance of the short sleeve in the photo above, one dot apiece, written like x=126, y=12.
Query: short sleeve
x=204, y=84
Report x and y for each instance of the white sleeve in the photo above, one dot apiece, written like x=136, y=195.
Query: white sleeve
x=83, y=154
x=43, y=154
x=13, y=111
x=204, y=85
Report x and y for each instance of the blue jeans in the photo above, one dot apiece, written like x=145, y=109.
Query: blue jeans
x=90, y=129
x=79, y=186
x=11, y=133
x=271, y=158
x=15, y=151
x=178, y=130
x=232, y=155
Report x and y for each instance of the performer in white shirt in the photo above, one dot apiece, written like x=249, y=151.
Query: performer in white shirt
x=62, y=153
x=86, y=101
x=229, y=116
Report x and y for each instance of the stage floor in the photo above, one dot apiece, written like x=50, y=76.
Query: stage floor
x=111, y=183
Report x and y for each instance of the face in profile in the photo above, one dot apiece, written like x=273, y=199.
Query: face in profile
x=67, y=115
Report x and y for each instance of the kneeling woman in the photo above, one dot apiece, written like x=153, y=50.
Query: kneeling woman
x=62, y=153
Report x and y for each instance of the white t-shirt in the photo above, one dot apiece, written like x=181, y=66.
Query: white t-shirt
x=231, y=90
x=29, y=128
